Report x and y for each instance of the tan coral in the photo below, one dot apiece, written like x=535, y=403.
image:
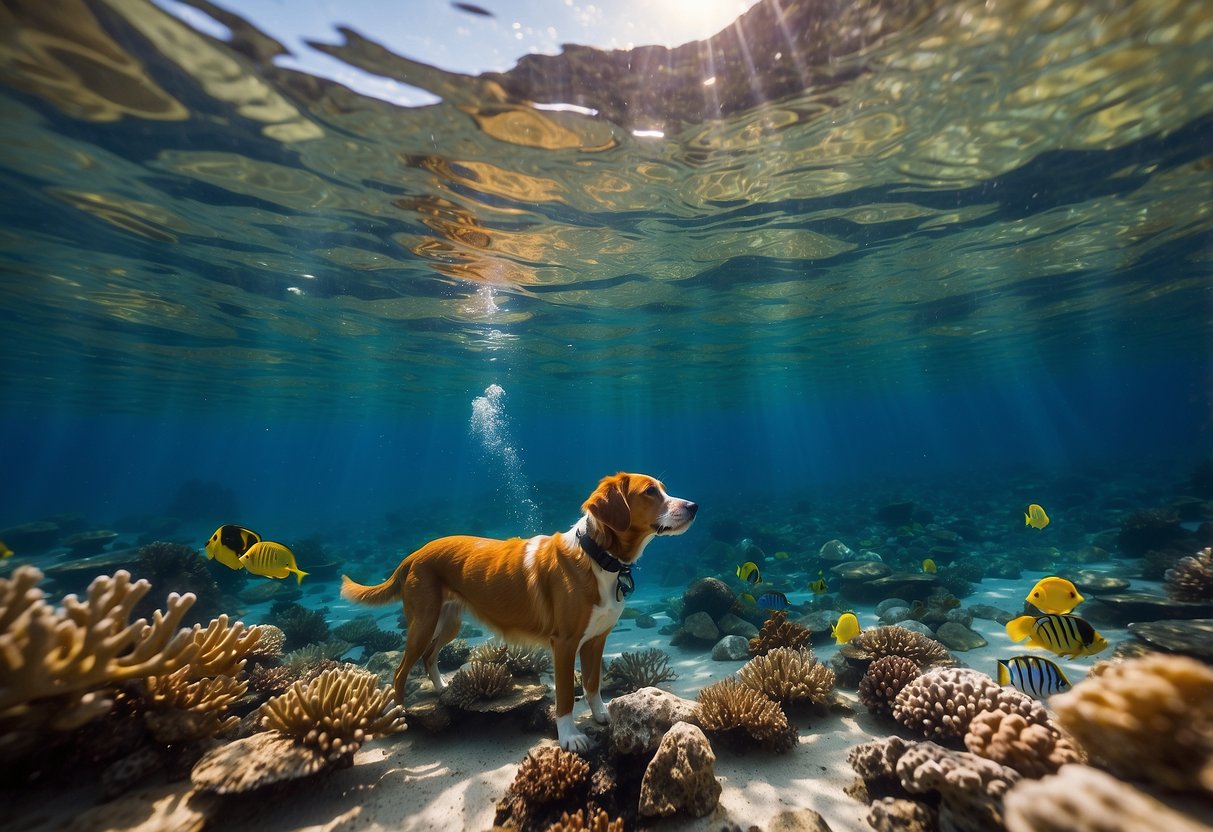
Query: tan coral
x=971, y=788
x=75, y=654
x=335, y=712
x=1146, y=718
x=730, y=706
x=550, y=774
x=576, y=822
x=1030, y=748
x=878, y=642
x=478, y=681
x=204, y=703
x=940, y=703
x=793, y=676
x=883, y=680
x=1083, y=799
x=1191, y=579
x=270, y=641
x=777, y=631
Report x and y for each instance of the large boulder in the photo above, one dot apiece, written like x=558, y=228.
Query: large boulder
x=639, y=720
x=680, y=776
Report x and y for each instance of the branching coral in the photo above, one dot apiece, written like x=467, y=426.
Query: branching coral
x=550, y=774
x=1030, y=748
x=1191, y=579
x=1146, y=718
x=76, y=653
x=883, y=680
x=633, y=671
x=478, y=680
x=576, y=822
x=777, y=631
x=940, y=703
x=790, y=676
x=335, y=712
x=728, y=706
x=182, y=710
x=897, y=641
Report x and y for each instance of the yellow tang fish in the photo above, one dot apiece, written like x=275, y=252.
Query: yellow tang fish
x=271, y=560
x=1054, y=594
x=781, y=555
x=1035, y=517
x=5, y=552
x=748, y=571
x=1066, y=635
x=928, y=566
x=819, y=586
x=228, y=543
x=845, y=628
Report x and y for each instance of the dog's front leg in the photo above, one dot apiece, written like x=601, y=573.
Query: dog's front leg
x=564, y=654
x=591, y=677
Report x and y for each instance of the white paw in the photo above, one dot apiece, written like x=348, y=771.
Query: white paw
x=576, y=741
x=597, y=708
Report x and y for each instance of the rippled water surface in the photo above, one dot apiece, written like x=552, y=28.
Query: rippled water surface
x=821, y=196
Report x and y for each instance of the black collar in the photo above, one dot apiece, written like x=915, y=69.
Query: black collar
x=625, y=583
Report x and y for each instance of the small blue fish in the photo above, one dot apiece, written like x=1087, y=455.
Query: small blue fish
x=1033, y=675
x=773, y=601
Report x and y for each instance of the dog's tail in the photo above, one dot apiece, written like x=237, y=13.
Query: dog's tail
x=384, y=593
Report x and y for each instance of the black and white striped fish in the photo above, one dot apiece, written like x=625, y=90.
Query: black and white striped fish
x=1033, y=675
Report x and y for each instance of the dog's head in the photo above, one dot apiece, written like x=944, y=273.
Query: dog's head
x=635, y=508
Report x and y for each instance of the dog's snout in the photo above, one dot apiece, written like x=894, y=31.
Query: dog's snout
x=692, y=508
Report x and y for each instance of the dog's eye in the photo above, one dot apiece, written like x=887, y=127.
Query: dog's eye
x=653, y=491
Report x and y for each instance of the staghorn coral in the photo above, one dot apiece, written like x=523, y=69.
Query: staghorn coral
x=633, y=671
x=731, y=708
x=878, y=642
x=181, y=709
x=1146, y=718
x=940, y=703
x=777, y=631
x=883, y=680
x=1083, y=799
x=550, y=774
x=599, y=822
x=478, y=680
x=791, y=676
x=971, y=788
x=75, y=654
x=335, y=712
x=1191, y=579
x=222, y=648
x=1030, y=748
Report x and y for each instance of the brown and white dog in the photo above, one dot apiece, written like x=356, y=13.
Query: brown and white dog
x=563, y=590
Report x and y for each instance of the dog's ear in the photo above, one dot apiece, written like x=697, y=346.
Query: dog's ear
x=608, y=505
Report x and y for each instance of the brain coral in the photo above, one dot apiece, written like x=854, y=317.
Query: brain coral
x=791, y=676
x=1030, y=748
x=883, y=680
x=897, y=641
x=1146, y=718
x=940, y=703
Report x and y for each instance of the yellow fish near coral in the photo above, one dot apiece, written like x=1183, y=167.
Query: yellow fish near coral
x=271, y=560
x=748, y=571
x=1066, y=635
x=845, y=628
x=5, y=552
x=929, y=567
x=1035, y=517
x=228, y=543
x=819, y=586
x=1054, y=594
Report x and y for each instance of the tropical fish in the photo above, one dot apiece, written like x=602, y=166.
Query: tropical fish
x=228, y=543
x=781, y=555
x=1054, y=594
x=1033, y=675
x=819, y=586
x=773, y=601
x=747, y=599
x=845, y=628
x=1035, y=517
x=5, y=552
x=1066, y=635
x=928, y=566
x=748, y=571
x=271, y=560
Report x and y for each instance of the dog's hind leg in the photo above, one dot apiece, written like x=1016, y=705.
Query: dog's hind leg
x=564, y=654
x=423, y=615
x=591, y=676
x=448, y=627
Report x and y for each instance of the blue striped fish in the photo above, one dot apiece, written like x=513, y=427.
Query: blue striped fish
x=1033, y=675
x=773, y=601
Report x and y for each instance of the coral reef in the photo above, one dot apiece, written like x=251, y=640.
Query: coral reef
x=1191, y=579
x=777, y=631
x=878, y=642
x=180, y=568
x=971, y=788
x=335, y=712
x=1083, y=799
x=731, y=709
x=599, y=822
x=476, y=681
x=883, y=680
x=550, y=774
x=270, y=640
x=454, y=655
x=181, y=709
x=1030, y=748
x=792, y=676
x=941, y=702
x=633, y=671
x=680, y=777
x=1147, y=718
x=300, y=625
x=311, y=655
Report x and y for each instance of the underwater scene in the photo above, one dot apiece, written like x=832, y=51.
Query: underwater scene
x=724, y=415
